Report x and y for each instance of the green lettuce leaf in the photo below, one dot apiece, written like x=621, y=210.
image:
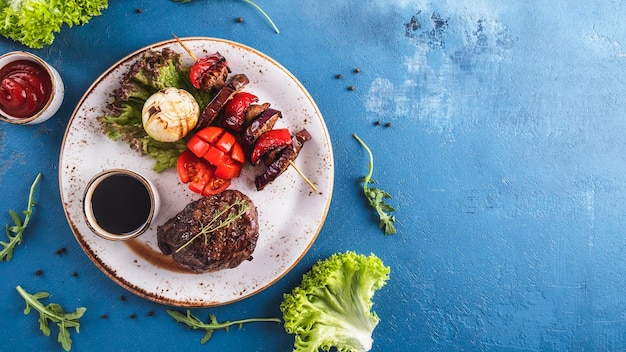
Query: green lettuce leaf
x=35, y=22
x=154, y=71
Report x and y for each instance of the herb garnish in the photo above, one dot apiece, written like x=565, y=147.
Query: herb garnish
x=216, y=224
x=376, y=196
x=195, y=323
x=267, y=17
x=54, y=313
x=15, y=232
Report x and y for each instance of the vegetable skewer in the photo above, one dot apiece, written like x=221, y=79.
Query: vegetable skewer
x=194, y=57
x=306, y=179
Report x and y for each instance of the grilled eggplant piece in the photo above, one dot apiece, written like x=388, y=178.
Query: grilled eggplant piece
x=234, y=84
x=254, y=110
x=281, y=164
x=261, y=124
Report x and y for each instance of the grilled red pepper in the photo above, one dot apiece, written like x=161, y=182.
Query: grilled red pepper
x=235, y=110
x=202, y=66
x=268, y=142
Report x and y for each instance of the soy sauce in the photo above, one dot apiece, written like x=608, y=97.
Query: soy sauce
x=121, y=204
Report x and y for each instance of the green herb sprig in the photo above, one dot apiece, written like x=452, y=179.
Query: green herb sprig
x=216, y=224
x=15, y=232
x=53, y=313
x=376, y=196
x=267, y=17
x=195, y=323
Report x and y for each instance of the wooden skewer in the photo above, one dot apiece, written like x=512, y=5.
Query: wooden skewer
x=306, y=179
x=185, y=47
x=303, y=176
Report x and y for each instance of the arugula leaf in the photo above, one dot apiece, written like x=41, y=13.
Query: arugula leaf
x=195, y=323
x=15, y=232
x=376, y=196
x=53, y=313
x=267, y=17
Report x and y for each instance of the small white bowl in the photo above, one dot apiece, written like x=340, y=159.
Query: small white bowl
x=112, y=215
x=56, y=95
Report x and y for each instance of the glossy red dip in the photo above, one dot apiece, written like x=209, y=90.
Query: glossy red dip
x=25, y=88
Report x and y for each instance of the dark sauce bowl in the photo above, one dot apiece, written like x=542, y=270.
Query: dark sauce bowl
x=120, y=204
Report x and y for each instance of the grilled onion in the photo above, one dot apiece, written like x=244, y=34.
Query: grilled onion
x=169, y=114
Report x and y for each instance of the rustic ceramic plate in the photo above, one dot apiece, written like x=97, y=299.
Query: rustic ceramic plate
x=290, y=213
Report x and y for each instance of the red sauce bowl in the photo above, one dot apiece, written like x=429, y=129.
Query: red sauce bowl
x=31, y=91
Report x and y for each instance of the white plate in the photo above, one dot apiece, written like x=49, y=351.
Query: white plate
x=290, y=213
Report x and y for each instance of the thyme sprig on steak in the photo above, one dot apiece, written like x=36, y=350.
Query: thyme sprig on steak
x=212, y=233
x=216, y=224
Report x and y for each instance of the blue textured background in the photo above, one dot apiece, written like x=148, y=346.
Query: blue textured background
x=505, y=157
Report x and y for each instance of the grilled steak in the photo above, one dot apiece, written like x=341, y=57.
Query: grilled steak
x=212, y=233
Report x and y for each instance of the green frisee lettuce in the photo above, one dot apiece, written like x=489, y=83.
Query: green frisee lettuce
x=154, y=71
x=332, y=306
x=35, y=22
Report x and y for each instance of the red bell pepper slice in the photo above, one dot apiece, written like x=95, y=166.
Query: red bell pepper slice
x=269, y=141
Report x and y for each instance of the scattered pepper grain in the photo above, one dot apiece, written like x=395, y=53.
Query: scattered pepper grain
x=39, y=272
x=139, y=10
x=351, y=88
x=240, y=19
x=104, y=316
x=75, y=274
x=388, y=124
x=357, y=70
x=61, y=251
x=122, y=298
x=377, y=123
x=133, y=316
x=150, y=313
x=338, y=76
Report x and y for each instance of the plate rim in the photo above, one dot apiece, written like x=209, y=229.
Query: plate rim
x=152, y=296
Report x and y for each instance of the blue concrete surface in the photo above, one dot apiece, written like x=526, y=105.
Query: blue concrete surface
x=505, y=158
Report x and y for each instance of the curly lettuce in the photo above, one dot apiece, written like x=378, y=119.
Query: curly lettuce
x=332, y=306
x=35, y=22
x=154, y=71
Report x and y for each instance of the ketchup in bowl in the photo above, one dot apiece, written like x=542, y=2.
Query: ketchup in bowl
x=25, y=86
x=31, y=90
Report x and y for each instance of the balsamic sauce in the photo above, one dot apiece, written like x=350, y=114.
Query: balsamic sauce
x=121, y=204
x=155, y=257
